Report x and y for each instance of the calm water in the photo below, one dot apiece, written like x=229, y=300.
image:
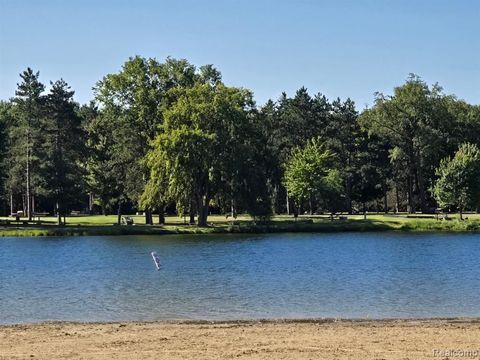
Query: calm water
x=350, y=275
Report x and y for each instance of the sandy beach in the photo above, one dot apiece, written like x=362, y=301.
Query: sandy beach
x=302, y=339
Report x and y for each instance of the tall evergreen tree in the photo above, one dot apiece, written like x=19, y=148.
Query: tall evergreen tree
x=291, y=123
x=5, y=117
x=341, y=136
x=26, y=138
x=64, y=148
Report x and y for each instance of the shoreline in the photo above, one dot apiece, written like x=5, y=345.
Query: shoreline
x=326, y=320
x=325, y=338
x=472, y=226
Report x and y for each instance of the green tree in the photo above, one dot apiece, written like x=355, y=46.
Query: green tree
x=417, y=123
x=289, y=123
x=64, y=148
x=458, y=181
x=341, y=135
x=133, y=99
x=204, y=151
x=106, y=169
x=181, y=163
x=5, y=118
x=369, y=171
x=26, y=140
x=310, y=174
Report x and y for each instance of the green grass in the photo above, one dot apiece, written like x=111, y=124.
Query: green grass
x=105, y=225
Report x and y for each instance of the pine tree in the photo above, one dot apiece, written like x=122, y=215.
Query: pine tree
x=64, y=146
x=25, y=135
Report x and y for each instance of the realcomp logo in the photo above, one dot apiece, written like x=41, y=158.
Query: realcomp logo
x=456, y=353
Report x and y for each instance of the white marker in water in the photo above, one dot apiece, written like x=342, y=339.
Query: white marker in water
x=156, y=260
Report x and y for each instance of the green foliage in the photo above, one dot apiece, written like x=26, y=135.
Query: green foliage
x=168, y=135
x=417, y=120
x=370, y=168
x=105, y=173
x=309, y=173
x=204, y=151
x=459, y=179
x=63, y=147
x=181, y=163
x=132, y=103
x=5, y=118
x=25, y=154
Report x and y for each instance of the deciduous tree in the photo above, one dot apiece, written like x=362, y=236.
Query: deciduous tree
x=458, y=181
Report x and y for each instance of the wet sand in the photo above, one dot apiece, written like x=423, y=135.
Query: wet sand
x=277, y=339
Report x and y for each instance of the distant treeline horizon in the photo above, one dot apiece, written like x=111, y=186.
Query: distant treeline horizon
x=170, y=137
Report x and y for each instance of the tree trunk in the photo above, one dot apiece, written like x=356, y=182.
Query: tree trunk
x=191, y=212
x=203, y=204
x=411, y=201
x=11, y=204
x=59, y=215
x=28, y=200
x=275, y=200
x=385, y=196
x=397, y=199
x=288, y=204
x=364, y=211
x=90, y=203
x=24, y=209
x=161, y=214
x=421, y=189
x=233, y=212
x=311, y=205
x=460, y=210
x=119, y=213
x=148, y=217
x=348, y=193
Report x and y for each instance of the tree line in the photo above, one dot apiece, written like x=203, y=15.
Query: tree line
x=168, y=137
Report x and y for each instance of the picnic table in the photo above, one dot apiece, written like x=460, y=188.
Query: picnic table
x=38, y=215
x=127, y=220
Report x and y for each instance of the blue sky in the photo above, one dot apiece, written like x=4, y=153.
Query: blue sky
x=340, y=48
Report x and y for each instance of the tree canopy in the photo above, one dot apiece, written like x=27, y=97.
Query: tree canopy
x=310, y=174
x=172, y=137
x=458, y=181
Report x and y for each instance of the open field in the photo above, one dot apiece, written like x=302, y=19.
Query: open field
x=304, y=339
x=105, y=225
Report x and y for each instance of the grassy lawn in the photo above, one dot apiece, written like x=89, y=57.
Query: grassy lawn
x=104, y=225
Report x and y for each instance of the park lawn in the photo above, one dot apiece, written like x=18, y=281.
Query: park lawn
x=104, y=225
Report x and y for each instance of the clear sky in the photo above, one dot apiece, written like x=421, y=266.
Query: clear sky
x=346, y=48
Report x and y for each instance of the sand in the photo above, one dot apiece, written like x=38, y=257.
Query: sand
x=320, y=339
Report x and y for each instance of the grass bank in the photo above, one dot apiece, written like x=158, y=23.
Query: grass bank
x=104, y=225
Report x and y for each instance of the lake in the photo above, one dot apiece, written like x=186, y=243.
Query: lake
x=348, y=275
